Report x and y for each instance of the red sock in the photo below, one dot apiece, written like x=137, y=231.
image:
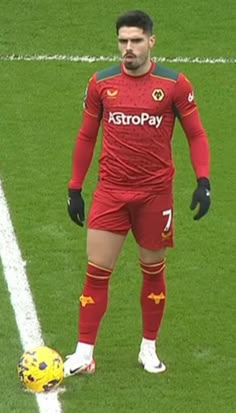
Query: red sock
x=93, y=302
x=153, y=297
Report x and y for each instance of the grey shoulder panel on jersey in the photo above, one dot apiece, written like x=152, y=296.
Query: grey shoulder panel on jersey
x=108, y=72
x=165, y=72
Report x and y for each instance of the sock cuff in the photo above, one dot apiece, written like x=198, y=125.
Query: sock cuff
x=96, y=271
x=153, y=269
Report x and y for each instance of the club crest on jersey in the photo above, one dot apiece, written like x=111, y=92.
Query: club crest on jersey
x=158, y=95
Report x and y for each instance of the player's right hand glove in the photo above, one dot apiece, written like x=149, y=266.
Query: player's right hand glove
x=202, y=197
x=75, y=206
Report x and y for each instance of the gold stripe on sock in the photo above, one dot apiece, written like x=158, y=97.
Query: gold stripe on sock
x=153, y=265
x=153, y=272
x=105, y=277
x=100, y=268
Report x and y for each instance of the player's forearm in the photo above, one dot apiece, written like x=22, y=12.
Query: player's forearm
x=200, y=156
x=82, y=156
x=198, y=144
x=83, y=151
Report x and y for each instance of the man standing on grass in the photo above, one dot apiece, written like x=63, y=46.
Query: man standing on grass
x=137, y=103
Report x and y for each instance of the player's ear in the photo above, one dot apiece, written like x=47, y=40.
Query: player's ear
x=152, y=41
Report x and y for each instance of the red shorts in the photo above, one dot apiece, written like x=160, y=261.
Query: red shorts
x=149, y=216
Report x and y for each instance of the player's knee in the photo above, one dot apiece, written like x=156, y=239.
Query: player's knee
x=151, y=257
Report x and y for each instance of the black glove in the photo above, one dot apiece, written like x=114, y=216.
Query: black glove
x=202, y=197
x=75, y=206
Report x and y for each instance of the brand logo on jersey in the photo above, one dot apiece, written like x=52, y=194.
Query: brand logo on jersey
x=158, y=95
x=120, y=118
x=190, y=97
x=112, y=93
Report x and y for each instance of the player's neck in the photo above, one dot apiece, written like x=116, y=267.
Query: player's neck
x=141, y=71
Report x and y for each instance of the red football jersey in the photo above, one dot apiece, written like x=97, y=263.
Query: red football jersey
x=138, y=116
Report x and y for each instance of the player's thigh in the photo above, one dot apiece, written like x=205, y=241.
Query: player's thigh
x=152, y=222
x=109, y=212
x=108, y=224
x=103, y=247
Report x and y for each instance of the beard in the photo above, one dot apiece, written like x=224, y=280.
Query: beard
x=131, y=65
x=134, y=64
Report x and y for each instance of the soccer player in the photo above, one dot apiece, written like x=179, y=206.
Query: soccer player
x=137, y=102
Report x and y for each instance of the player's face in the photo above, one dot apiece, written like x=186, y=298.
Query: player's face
x=135, y=47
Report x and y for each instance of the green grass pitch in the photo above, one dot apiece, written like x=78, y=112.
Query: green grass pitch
x=40, y=114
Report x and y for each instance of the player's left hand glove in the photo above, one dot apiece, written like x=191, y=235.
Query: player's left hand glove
x=202, y=197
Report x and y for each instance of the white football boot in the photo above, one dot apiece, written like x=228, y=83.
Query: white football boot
x=74, y=364
x=80, y=362
x=149, y=360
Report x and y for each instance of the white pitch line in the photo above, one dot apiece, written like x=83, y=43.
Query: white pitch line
x=92, y=59
x=21, y=298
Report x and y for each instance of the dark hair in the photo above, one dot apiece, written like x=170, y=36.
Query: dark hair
x=135, y=18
